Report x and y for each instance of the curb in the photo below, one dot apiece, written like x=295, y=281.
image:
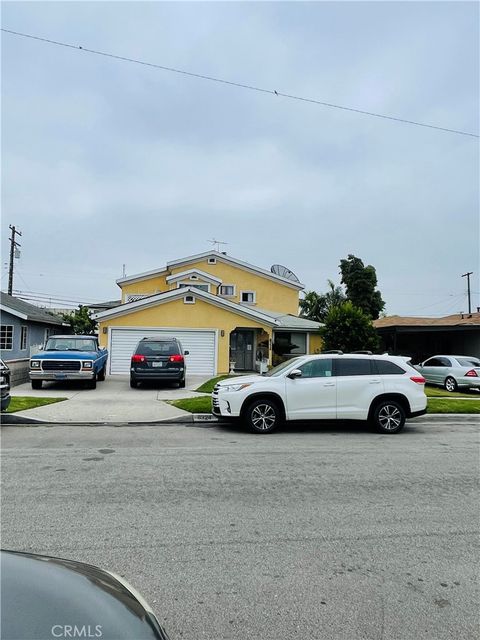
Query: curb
x=10, y=419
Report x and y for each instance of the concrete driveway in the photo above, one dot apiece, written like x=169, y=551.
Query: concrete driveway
x=112, y=401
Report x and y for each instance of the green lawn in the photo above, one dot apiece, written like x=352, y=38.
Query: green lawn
x=437, y=392
x=22, y=403
x=207, y=387
x=203, y=404
x=455, y=405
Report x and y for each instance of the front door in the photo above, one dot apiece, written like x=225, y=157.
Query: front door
x=241, y=349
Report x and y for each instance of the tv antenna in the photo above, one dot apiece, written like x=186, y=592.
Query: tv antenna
x=216, y=244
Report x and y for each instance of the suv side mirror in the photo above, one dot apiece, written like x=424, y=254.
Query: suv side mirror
x=296, y=373
x=186, y=353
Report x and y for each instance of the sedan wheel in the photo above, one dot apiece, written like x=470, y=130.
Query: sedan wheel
x=450, y=384
x=263, y=416
x=389, y=417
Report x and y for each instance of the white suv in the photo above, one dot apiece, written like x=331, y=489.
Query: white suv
x=384, y=390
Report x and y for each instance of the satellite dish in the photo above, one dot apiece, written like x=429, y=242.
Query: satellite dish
x=283, y=272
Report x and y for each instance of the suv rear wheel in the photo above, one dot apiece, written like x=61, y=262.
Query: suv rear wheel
x=263, y=416
x=133, y=383
x=389, y=417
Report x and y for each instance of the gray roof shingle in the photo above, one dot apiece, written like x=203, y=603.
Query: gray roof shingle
x=33, y=313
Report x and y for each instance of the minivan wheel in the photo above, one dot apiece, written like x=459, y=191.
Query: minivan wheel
x=389, y=417
x=263, y=416
x=450, y=384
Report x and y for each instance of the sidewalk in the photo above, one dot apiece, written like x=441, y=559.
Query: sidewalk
x=112, y=401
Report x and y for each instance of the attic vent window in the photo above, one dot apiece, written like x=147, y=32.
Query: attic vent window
x=193, y=277
x=212, y=261
x=189, y=300
x=134, y=297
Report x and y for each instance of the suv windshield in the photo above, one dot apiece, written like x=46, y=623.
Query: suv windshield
x=276, y=371
x=71, y=344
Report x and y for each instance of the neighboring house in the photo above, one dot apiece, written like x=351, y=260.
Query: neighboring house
x=458, y=334
x=220, y=308
x=24, y=327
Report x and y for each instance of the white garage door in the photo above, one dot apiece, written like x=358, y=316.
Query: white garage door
x=200, y=344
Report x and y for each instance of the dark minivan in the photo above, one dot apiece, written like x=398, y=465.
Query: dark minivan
x=158, y=359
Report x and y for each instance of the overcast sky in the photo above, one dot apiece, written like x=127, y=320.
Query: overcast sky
x=108, y=162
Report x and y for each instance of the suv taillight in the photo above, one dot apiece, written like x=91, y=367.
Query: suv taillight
x=137, y=357
x=471, y=374
x=418, y=379
x=176, y=358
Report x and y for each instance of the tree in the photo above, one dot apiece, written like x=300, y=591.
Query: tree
x=80, y=321
x=348, y=329
x=315, y=306
x=360, y=282
x=309, y=305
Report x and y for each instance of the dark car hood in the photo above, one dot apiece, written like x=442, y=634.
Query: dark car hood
x=43, y=595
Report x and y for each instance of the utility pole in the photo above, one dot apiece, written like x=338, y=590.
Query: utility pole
x=13, y=245
x=467, y=275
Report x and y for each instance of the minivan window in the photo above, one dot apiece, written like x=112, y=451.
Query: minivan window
x=353, y=367
x=162, y=348
x=387, y=368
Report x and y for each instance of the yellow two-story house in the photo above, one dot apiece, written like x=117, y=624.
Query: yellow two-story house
x=222, y=310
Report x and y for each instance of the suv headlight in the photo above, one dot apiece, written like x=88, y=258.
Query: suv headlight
x=87, y=364
x=234, y=387
x=34, y=364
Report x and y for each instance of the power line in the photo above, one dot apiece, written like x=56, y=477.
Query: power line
x=237, y=84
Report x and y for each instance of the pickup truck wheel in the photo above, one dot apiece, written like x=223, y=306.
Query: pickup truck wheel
x=92, y=384
x=101, y=375
x=389, y=417
x=36, y=384
x=263, y=416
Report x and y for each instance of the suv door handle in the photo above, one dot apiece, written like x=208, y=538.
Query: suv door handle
x=329, y=384
x=376, y=381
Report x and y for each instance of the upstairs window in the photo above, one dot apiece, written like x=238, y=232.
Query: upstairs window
x=212, y=261
x=248, y=297
x=227, y=290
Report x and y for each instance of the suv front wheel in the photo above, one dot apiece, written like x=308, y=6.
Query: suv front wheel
x=389, y=417
x=263, y=416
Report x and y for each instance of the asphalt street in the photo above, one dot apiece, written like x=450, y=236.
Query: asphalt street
x=320, y=532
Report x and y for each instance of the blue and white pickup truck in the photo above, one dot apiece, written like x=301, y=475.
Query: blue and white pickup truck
x=69, y=358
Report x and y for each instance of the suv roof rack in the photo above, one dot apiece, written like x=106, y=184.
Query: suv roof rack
x=363, y=351
x=337, y=351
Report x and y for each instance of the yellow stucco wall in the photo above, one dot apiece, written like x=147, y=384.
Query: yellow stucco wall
x=147, y=287
x=178, y=315
x=270, y=295
x=315, y=343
